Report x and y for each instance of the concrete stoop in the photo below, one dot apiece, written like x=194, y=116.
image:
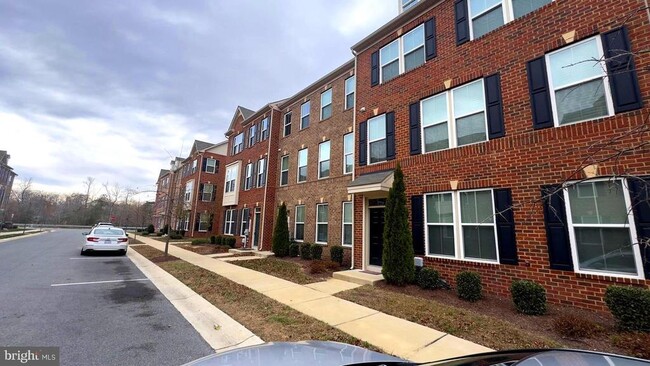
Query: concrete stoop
x=257, y=253
x=359, y=277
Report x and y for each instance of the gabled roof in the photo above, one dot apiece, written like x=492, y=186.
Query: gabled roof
x=244, y=112
x=248, y=114
x=200, y=145
x=163, y=172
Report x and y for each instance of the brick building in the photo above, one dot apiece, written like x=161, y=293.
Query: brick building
x=162, y=193
x=508, y=122
x=7, y=175
x=316, y=157
x=251, y=176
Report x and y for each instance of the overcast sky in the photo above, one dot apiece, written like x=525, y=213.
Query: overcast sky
x=110, y=88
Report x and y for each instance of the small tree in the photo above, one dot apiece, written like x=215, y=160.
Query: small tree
x=281, y=233
x=397, y=266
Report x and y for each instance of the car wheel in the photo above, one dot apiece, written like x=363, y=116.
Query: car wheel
x=83, y=252
x=123, y=252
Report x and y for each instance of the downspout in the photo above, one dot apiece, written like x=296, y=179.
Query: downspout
x=354, y=138
x=266, y=178
x=647, y=10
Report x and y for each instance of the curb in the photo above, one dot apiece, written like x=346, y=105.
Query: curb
x=23, y=236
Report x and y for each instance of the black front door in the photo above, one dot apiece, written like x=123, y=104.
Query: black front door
x=256, y=232
x=376, y=235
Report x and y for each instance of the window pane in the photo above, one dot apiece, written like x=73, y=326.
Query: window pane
x=347, y=212
x=347, y=234
x=302, y=174
x=479, y=6
x=572, y=64
x=441, y=240
x=324, y=151
x=390, y=71
x=487, y=22
x=414, y=59
x=479, y=243
x=349, y=100
x=605, y=249
x=349, y=163
x=436, y=137
x=523, y=7
x=300, y=232
x=326, y=97
x=377, y=151
x=300, y=213
x=598, y=203
x=348, y=143
x=377, y=128
x=302, y=157
x=471, y=129
x=324, y=169
x=468, y=99
x=389, y=53
x=439, y=208
x=581, y=102
x=322, y=213
x=327, y=112
x=304, y=109
x=322, y=233
x=413, y=39
x=434, y=110
x=285, y=162
x=304, y=122
x=284, y=178
x=350, y=85
x=476, y=207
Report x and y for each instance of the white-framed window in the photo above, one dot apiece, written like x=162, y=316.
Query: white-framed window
x=299, y=223
x=244, y=221
x=324, y=159
x=347, y=220
x=208, y=190
x=210, y=165
x=350, y=88
x=487, y=15
x=261, y=172
x=302, y=165
x=377, y=139
x=189, y=186
x=284, y=170
x=231, y=178
x=186, y=221
x=601, y=229
x=264, y=129
x=248, y=178
x=287, y=124
x=229, y=223
x=348, y=153
x=461, y=225
x=322, y=219
x=238, y=144
x=326, y=104
x=454, y=118
x=405, y=4
x=578, y=82
x=252, y=134
x=204, y=221
x=402, y=55
x=304, y=114
x=194, y=166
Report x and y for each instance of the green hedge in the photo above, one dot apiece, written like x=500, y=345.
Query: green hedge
x=428, y=278
x=630, y=306
x=305, y=251
x=336, y=254
x=200, y=241
x=468, y=286
x=176, y=236
x=529, y=297
x=294, y=250
x=316, y=251
x=229, y=241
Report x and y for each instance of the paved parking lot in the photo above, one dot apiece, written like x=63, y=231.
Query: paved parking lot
x=101, y=310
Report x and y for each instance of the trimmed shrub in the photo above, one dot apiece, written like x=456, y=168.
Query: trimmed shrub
x=468, y=286
x=575, y=327
x=316, y=251
x=182, y=232
x=305, y=251
x=159, y=234
x=280, y=244
x=165, y=229
x=150, y=229
x=144, y=233
x=218, y=240
x=630, y=306
x=336, y=253
x=176, y=236
x=529, y=297
x=428, y=278
x=229, y=241
x=294, y=250
x=213, y=239
x=397, y=255
x=200, y=241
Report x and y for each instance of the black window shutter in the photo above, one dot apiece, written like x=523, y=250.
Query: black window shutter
x=494, y=104
x=540, y=97
x=253, y=175
x=430, y=38
x=236, y=220
x=621, y=71
x=258, y=132
x=557, y=231
x=417, y=224
x=214, y=192
x=462, y=22
x=363, y=143
x=211, y=218
x=505, y=220
x=224, y=221
x=205, y=164
x=287, y=128
x=196, y=223
x=374, y=68
x=640, y=196
x=201, y=191
x=390, y=136
x=414, y=128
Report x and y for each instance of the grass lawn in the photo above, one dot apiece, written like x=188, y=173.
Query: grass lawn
x=291, y=269
x=267, y=318
x=13, y=235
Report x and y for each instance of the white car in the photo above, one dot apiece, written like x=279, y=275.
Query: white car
x=103, y=238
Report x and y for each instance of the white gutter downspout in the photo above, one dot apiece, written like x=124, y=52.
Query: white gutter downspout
x=354, y=138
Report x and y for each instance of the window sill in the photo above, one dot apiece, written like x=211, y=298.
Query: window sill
x=321, y=243
x=608, y=276
x=462, y=260
x=325, y=119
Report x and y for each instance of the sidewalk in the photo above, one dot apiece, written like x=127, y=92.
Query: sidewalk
x=7, y=233
x=396, y=336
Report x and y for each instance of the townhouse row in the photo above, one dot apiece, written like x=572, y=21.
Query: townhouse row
x=520, y=127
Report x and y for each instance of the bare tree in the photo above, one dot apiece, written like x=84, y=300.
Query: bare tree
x=113, y=194
x=88, y=183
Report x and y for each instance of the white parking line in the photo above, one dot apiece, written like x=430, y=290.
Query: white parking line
x=101, y=258
x=90, y=283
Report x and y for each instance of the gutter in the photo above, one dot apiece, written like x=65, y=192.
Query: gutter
x=354, y=136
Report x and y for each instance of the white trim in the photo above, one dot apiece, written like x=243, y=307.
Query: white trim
x=261, y=173
x=285, y=124
x=381, y=65
x=237, y=147
x=306, y=150
x=343, y=223
x=351, y=134
x=401, y=64
x=308, y=103
x=252, y=135
x=368, y=157
x=322, y=106
x=296, y=222
x=248, y=177
x=346, y=92
x=229, y=222
x=322, y=223
x=507, y=11
x=285, y=170
x=321, y=160
x=247, y=221
x=213, y=165
x=207, y=222
x=203, y=193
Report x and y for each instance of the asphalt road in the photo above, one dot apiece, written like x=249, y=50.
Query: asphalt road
x=111, y=323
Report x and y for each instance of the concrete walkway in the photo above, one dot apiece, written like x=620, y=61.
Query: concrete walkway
x=396, y=336
x=28, y=231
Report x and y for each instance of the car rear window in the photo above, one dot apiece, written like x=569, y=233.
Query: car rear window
x=109, y=232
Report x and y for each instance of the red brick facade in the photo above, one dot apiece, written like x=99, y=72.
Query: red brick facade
x=524, y=159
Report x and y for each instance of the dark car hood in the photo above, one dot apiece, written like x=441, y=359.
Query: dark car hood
x=315, y=353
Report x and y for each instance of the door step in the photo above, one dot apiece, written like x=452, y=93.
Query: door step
x=359, y=277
